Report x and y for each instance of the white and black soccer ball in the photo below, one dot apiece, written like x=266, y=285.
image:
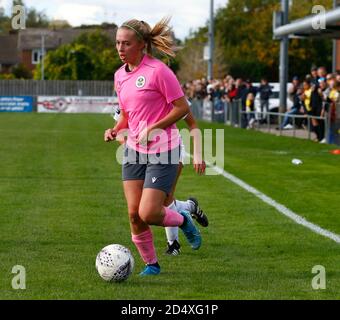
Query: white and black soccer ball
x=114, y=263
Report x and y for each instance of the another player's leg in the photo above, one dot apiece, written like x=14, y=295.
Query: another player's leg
x=193, y=207
x=173, y=245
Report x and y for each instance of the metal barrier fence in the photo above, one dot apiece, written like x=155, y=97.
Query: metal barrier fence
x=301, y=125
x=231, y=114
x=205, y=110
x=55, y=88
x=225, y=113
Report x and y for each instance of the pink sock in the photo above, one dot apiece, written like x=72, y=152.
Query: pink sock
x=145, y=246
x=172, y=218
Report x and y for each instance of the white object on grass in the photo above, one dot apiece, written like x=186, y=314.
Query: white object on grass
x=297, y=162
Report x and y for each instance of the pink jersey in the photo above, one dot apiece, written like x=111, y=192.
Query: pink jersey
x=146, y=95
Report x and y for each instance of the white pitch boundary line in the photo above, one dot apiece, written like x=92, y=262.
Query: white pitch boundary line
x=279, y=207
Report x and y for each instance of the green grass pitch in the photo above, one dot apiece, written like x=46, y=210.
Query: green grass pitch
x=61, y=201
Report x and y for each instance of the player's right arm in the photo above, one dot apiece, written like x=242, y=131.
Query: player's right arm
x=199, y=164
x=111, y=134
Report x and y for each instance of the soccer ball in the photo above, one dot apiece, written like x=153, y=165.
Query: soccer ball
x=114, y=263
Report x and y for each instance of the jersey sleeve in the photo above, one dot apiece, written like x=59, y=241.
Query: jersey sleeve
x=168, y=84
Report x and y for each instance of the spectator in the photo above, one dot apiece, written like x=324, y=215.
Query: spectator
x=316, y=104
x=332, y=99
x=322, y=72
x=306, y=96
x=248, y=89
x=231, y=91
x=314, y=76
x=250, y=108
x=240, y=87
x=265, y=91
x=297, y=108
x=217, y=95
x=338, y=75
x=200, y=90
x=293, y=88
x=325, y=90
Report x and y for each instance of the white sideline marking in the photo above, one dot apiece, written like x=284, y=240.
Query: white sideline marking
x=279, y=207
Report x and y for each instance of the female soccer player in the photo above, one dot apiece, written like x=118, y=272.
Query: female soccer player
x=150, y=98
x=191, y=205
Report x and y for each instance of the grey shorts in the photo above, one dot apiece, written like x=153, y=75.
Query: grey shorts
x=158, y=171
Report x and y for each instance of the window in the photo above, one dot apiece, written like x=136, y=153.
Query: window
x=36, y=56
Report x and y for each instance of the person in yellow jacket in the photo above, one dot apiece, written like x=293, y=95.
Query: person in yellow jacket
x=306, y=96
x=250, y=108
x=333, y=98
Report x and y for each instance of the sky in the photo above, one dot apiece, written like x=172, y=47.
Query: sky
x=186, y=14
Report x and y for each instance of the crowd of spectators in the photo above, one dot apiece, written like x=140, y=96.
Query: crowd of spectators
x=315, y=95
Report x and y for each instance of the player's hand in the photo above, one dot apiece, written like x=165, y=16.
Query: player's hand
x=110, y=135
x=200, y=167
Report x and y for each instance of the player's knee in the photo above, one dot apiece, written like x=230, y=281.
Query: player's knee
x=148, y=216
x=134, y=217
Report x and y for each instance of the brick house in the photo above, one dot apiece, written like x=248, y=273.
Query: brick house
x=26, y=46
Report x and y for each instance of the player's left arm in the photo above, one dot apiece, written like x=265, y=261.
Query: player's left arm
x=179, y=110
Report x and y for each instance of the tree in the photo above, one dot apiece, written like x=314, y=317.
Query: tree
x=91, y=56
x=21, y=72
x=190, y=57
x=5, y=22
x=245, y=44
x=34, y=18
x=245, y=30
x=69, y=62
x=303, y=53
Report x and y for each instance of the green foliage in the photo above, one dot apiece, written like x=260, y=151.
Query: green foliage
x=6, y=76
x=5, y=22
x=245, y=40
x=21, y=72
x=69, y=62
x=34, y=18
x=91, y=56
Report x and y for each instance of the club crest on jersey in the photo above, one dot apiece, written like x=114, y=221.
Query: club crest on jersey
x=140, y=82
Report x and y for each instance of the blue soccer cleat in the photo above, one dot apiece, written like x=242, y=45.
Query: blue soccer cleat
x=150, y=270
x=190, y=231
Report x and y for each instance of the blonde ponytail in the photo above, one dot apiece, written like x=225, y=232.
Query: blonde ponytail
x=160, y=37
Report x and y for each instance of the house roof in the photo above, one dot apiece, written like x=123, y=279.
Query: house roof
x=30, y=38
x=9, y=51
